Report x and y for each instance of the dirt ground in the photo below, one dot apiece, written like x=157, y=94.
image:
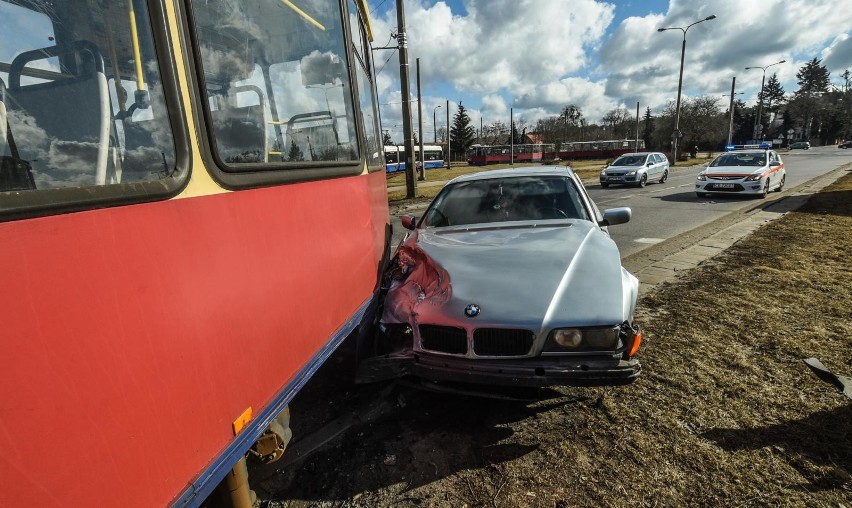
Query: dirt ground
x=725, y=412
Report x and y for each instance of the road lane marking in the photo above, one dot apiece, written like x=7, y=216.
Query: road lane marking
x=649, y=240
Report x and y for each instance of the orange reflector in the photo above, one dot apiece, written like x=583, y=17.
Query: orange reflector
x=240, y=423
x=637, y=341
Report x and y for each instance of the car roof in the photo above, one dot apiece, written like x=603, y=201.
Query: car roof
x=636, y=153
x=565, y=171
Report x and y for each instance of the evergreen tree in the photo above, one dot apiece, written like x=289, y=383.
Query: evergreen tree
x=807, y=102
x=648, y=131
x=517, y=137
x=812, y=78
x=773, y=94
x=386, y=138
x=295, y=153
x=462, y=134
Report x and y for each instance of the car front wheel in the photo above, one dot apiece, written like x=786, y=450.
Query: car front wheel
x=765, y=190
x=665, y=176
x=781, y=185
x=643, y=181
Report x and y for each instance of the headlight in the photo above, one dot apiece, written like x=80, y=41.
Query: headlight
x=603, y=172
x=702, y=177
x=754, y=178
x=631, y=173
x=566, y=340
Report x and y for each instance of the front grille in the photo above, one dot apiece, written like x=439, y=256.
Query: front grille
x=709, y=177
x=444, y=339
x=502, y=342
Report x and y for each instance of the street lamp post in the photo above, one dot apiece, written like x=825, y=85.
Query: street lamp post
x=435, y=124
x=680, y=79
x=757, y=121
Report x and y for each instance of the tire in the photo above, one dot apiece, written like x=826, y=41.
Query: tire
x=781, y=185
x=701, y=194
x=765, y=191
x=665, y=176
x=604, y=185
x=643, y=181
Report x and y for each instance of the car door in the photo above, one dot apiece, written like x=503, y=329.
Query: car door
x=657, y=168
x=778, y=174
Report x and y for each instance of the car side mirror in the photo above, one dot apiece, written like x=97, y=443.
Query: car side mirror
x=774, y=164
x=408, y=221
x=615, y=216
x=649, y=164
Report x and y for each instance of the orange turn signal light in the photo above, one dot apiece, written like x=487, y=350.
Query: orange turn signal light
x=637, y=341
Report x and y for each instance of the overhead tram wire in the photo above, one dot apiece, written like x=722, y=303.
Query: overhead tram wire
x=392, y=35
x=376, y=7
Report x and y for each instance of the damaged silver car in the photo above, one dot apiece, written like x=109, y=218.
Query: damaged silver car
x=510, y=278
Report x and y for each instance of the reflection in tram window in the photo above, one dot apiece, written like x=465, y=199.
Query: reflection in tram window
x=275, y=75
x=81, y=101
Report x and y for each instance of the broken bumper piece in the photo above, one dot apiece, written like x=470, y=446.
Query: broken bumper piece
x=530, y=372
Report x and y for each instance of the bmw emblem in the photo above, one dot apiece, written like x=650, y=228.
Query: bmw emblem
x=472, y=310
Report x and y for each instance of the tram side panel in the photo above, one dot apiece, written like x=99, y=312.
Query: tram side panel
x=141, y=322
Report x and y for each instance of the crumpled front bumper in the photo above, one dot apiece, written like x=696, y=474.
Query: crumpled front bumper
x=538, y=372
x=526, y=372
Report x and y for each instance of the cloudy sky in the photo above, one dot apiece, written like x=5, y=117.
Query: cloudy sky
x=537, y=56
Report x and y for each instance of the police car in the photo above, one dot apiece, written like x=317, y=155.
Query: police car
x=750, y=169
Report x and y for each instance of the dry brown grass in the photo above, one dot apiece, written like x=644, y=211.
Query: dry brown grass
x=724, y=414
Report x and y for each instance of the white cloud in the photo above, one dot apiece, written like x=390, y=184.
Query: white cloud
x=539, y=56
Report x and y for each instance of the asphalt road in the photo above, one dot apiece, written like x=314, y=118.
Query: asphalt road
x=664, y=211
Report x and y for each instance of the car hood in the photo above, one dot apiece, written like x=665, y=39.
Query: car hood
x=733, y=170
x=530, y=276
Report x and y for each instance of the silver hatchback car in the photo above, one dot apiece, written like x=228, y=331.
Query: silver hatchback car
x=636, y=169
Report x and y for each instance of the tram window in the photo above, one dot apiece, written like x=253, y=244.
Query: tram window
x=366, y=91
x=81, y=118
x=292, y=54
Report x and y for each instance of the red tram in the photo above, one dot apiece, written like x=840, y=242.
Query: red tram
x=193, y=216
x=504, y=154
x=606, y=149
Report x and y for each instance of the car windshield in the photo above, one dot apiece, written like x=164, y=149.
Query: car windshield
x=740, y=159
x=519, y=198
x=629, y=160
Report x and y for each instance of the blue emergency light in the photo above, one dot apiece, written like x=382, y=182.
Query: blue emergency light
x=730, y=148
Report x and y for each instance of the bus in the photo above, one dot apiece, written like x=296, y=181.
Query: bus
x=173, y=176
x=481, y=155
x=605, y=149
x=395, y=157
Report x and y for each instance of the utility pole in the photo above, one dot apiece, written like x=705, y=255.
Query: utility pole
x=422, y=176
x=405, y=85
x=731, y=110
x=512, y=136
x=449, y=151
x=636, y=149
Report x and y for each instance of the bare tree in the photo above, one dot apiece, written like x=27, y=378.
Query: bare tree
x=618, y=121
